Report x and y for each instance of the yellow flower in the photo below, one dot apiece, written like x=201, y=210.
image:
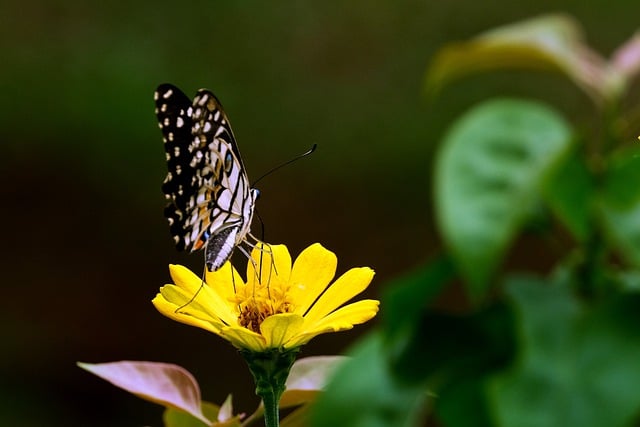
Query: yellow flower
x=280, y=306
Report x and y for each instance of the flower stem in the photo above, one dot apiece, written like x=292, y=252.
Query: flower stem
x=271, y=409
x=270, y=370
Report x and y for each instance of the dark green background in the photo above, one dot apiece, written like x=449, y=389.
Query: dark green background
x=85, y=245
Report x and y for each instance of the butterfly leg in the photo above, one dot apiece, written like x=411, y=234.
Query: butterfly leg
x=193, y=298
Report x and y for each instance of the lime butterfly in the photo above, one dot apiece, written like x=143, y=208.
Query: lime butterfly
x=210, y=201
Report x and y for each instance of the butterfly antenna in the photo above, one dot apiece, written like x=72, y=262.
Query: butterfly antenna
x=298, y=157
x=262, y=227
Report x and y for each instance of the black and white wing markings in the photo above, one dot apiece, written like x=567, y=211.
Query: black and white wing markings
x=173, y=110
x=210, y=202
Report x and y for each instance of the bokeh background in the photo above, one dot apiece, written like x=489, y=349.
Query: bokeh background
x=84, y=244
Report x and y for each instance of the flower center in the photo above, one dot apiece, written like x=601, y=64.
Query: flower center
x=258, y=302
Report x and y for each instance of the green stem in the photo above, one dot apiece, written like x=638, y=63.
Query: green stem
x=270, y=370
x=271, y=408
x=590, y=270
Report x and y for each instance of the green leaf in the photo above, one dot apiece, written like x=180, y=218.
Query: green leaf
x=578, y=364
x=488, y=173
x=467, y=393
x=364, y=392
x=453, y=355
x=629, y=280
x=551, y=42
x=405, y=297
x=174, y=418
x=569, y=191
x=445, y=347
x=620, y=204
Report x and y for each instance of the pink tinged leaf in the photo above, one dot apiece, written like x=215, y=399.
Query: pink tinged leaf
x=626, y=59
x=163, y=383
x=307, y=378
x=226, y=410
x=551, y=42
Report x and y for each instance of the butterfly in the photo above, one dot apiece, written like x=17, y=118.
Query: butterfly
x=210, y=200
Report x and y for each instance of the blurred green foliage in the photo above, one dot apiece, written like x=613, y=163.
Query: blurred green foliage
x=544, y=350
x=488, y=176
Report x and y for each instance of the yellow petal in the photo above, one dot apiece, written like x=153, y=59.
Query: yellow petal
x=244, y=338
x=224, y=282
x=198, y=295
x=272, y=261
x=312, y=272
x=184, y=278
x=219, y=294
x=181, y=298
x=340, y=320
x=280, y=328
x=183, y=304
x=168, y=309
x=347, y=316
x=342, y=290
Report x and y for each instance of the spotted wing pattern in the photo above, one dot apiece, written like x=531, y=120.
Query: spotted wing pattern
x=210, y=202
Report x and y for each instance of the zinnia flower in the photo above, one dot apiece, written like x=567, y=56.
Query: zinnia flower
x=279, y=306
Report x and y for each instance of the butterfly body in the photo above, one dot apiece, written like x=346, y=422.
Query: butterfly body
x=210, y=202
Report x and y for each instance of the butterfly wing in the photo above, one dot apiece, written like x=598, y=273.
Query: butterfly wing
x=173, y=110
x=210, y=200
x=228, y=189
